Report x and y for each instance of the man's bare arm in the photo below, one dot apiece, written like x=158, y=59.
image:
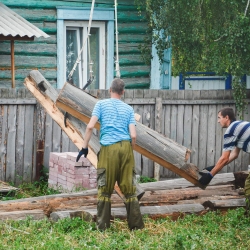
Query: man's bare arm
x=89, y=130
x=132, y=132
x=226, y=158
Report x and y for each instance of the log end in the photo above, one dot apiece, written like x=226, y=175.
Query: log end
x=192, y=170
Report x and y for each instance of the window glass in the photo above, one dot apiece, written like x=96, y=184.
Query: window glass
x=94, y=57
x=92, y=53
x=72, y=50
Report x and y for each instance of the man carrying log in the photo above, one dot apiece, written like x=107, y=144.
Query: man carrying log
x=116, y=158
x=236, y=137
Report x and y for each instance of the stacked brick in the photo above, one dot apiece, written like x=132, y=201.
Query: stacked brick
x=66, y=174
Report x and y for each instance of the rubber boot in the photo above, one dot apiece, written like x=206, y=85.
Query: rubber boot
x=139, y=191
x=134, y=216
x=103, y=215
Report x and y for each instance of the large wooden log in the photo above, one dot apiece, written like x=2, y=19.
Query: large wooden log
x=149, y=143
x=225, y=204
x=22, y=215
x=173, y=211
x=156, y=194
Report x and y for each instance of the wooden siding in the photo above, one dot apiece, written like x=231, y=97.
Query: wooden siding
x=188, y=117
x=41, y=54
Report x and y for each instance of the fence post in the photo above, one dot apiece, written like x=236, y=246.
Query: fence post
x=158, y=119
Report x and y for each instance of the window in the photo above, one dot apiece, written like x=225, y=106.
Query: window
x=72, y=30
x=92, y=56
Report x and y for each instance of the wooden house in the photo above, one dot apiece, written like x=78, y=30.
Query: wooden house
x=66, y=22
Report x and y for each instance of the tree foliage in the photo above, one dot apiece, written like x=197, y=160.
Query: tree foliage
x=206, y=35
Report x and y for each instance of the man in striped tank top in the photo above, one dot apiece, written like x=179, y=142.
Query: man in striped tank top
x=116, y=157
x=236, y=137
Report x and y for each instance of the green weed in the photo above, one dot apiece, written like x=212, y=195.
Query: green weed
x=210, y=231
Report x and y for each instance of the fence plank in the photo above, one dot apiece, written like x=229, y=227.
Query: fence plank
x=28, y=142
x=203, y=137
x=138, y=93
x=48, y=140
x=11, y=142
x=56, y=138
x=20, y=144
x=187, y=134
x=212, y=117
x=195, y=135
x=173, y=131
x=3, y=137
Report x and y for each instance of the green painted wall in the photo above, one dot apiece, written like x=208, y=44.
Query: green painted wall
x=41, y=54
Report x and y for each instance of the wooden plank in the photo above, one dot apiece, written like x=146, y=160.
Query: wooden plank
x=137, y=93
x=24, y=214
x=3, y=137
x=11, y=140
x=154, y=212
x=65, y=142
x=56, y=137
x=212, y=123
x=29, y=61
x=166, y=131
x=187, y=134
x=195, y=135
x=29, y=145
x=48, y=140
x=20, y=144
x=22, y=73
x=219, y=140
x=222, y=204
x=180, y=124
x=202, y=162
x=180, y=183
x=18, y=101
x=45, y=49
x=158, y=116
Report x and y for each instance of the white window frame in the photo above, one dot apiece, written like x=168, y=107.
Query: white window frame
x=82, y=14
x=83, y=66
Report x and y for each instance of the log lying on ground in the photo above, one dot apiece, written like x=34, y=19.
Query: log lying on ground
x=225, y=204
x=149, y=143
x=22, y=215
x=156, y=194
x=219, y=179
x=240, y=178
x=174, y=211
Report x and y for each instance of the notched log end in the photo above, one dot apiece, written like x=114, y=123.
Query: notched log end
x=41, y=86
x=188, y=153
x=192, y=170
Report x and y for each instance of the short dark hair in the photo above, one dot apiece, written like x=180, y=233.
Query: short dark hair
x=117, y=86
x=228, y=111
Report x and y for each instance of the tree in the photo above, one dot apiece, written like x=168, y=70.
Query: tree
x=206, y=35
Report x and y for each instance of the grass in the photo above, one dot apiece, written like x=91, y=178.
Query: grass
x=210, y=231
x=213, y=230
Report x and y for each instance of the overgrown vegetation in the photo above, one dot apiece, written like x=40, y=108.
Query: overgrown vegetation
x=204, y=36
x=145, y=179
x=210, y=231
x=35, y=189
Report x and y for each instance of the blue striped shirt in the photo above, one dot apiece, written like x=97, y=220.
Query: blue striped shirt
x=237, y=135
x=114, y=116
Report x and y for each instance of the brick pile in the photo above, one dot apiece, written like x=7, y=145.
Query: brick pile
x=66, y=174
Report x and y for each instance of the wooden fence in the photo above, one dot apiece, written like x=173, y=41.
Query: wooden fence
x=28, y=134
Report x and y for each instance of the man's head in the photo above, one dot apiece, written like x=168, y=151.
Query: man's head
x=117, y=86
x=226, y=116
